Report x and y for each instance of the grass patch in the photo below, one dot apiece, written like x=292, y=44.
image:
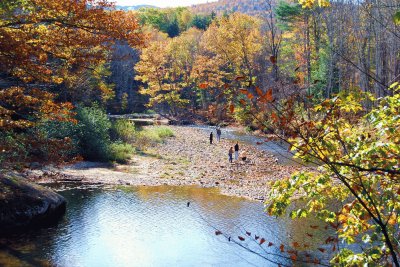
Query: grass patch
x=165, y=175
x=123, y=130
x=164, y=132
x=149, y=153
x=121, y=152
x=184, y=161
x=152, y=136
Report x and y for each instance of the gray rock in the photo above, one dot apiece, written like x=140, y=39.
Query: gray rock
x=24, y=205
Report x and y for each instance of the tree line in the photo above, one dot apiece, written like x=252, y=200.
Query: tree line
x=316, y=50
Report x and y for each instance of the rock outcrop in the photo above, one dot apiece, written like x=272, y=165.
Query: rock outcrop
x=24, y=205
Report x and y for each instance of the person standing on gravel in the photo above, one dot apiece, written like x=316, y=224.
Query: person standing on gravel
x=230, y=153
x=219, y=134
x=237, y=151
x=211, y=138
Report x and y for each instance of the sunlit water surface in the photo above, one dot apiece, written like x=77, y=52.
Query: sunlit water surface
x=153, y=226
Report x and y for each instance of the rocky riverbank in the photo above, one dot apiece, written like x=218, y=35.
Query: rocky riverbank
x=186, y=159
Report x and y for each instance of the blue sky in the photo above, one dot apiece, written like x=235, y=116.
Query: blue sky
x=161, y=3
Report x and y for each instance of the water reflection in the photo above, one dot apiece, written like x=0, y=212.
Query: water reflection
x=151, y=226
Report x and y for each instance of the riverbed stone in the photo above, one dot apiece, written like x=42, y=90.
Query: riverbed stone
x=24, y=205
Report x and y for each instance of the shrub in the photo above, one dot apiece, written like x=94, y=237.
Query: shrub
x=121, y=152
x=123, y=130
x=57, y=139
x=13, y=148
x=164, y=132
x=93, y=134
x=146, y=138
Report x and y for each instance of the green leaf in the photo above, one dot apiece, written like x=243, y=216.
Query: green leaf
x=396, y=18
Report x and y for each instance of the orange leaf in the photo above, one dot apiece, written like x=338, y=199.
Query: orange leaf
x=250, y=96
x=226, y=86
x=268, y=95
x=314, y=226
x=296, y=245
x=321, y=249
x=231, y=108
x=259, y=91
x=262, y=240
x=244, y=91
x=272, y=59
x=239, y=78
x=203, y=85
x=274, y=117
x=282, y=248
x=241, y=238
x=242, y=102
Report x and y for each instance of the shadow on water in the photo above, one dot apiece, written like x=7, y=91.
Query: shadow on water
x=153, y=226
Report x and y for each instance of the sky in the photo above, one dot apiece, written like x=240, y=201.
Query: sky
x=161, y=3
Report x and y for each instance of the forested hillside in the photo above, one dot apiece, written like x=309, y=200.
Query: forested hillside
x=251, y=7
x=129, y=8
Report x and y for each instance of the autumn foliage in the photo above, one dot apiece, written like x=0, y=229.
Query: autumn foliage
x=44, y=42
x=46, y=47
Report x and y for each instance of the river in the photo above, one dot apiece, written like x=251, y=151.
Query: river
x=155, y=226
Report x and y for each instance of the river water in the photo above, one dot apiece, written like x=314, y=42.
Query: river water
x=154, y=226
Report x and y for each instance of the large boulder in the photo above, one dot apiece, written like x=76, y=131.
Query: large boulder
x=24, y=205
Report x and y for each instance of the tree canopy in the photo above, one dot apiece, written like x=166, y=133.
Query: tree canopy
x=44, y=43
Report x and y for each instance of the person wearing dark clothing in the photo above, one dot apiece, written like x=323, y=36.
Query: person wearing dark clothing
x=237, y=151
x=230, y=153
x=219, y=134
x=211, y=138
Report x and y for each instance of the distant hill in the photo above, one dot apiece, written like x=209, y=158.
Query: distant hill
x=251, y=7
x=127, y=8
